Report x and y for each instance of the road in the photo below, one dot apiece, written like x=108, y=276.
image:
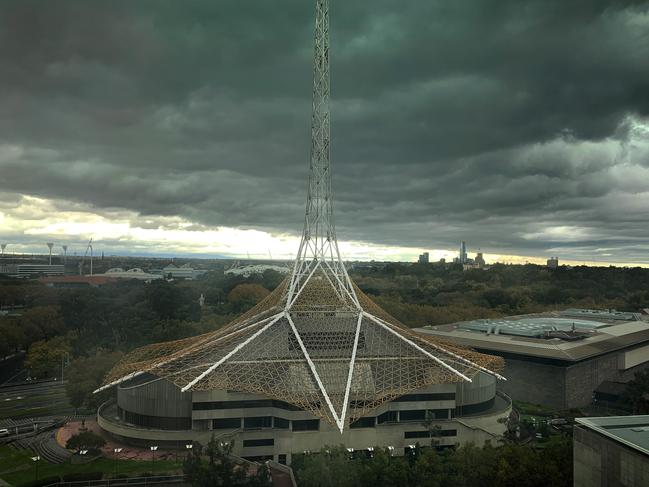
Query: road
x=34, y=400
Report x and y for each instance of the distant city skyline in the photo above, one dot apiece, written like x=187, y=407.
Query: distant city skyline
x=184, y=129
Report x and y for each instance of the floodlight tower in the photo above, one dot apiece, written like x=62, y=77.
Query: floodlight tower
x=3, y=247
x=65, y=254
x=49, y=246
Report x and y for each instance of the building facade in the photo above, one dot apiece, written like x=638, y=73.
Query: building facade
x=611, y=452
x=152, y=411
x=565, y=355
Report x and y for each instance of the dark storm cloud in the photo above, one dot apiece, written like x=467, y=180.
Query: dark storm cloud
x=512, y=124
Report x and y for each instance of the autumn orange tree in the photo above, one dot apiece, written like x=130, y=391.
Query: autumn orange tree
x=245, y=296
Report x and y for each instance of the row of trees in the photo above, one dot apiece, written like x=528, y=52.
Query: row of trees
x=509, y=465
x=435, y=294
x=91, y=328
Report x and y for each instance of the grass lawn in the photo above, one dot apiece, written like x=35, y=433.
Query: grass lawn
x=16, y=467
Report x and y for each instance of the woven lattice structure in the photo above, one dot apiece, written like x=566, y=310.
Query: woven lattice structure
x=316, y=341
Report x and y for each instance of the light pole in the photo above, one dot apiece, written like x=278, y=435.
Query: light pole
x=35, y=460
x=189, y=447
x=65, y=360
x=153, y=449
x=117, y=451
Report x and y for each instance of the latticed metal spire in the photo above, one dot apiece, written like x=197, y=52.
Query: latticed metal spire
x=316, y=341
x=319, y=246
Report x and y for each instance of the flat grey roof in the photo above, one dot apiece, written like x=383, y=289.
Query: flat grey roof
x=607, y=336
x=632, y=431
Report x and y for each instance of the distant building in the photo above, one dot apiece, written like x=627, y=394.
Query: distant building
x=558, y=359
x=611, y=451
x=249, y=270
x=424, y=258
x=77, y=281
x=136, y=273
x=183, y=272
x=463, y=258
x=477, y=263
x=35, y=270
x=553, y=262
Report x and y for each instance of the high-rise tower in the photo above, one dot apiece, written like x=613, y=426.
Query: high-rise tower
x=316, y=341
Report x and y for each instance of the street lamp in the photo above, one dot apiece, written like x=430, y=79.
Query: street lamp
x=116, y=451
x=391, y=450
x=153, y=449
x=189, y=447
x=370, y=450
x=35, y=460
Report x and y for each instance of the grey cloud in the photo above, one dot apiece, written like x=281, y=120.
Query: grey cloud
x=451, y=120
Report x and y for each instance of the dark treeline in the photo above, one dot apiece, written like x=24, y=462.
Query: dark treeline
x=432, y=294
x=94, y=327
x=508, y=465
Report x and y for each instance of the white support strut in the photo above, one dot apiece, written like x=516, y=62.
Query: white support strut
x=352, y=363
x=410, y=342
x=460, y=358
x=314, y=371
x=235, y=350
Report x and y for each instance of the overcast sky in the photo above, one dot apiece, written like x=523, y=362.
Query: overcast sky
x=183, y=126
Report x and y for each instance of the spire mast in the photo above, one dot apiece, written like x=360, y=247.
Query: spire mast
x=319, y=246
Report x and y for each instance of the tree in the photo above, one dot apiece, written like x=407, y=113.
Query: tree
x=85, y=374
x=637, y=392
x=86, y=440
x=44, y=357
x=220, y=469
x=13, y=337
x=247, y=295
x=164, y=299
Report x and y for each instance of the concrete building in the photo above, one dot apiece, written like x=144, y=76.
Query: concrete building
x=554, y=359
x=35, y=270
x=184, y=271
x=152, y=411
x=424, y=258
x=136, y=273
x=77, y=281
x=611, y=452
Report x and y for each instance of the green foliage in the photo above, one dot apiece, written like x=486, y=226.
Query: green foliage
x=637, y=392
x=468, y=466
x=216, y=467
x=85, y=440
x=44, y=357
x=436, y=294
x=85, y=374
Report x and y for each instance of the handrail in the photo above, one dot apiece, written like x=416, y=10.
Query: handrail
x=159, y=479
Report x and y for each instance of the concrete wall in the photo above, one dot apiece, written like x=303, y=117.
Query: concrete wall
x=535, y=383
x=602, y=462
x=562, y=387
x=155, y=397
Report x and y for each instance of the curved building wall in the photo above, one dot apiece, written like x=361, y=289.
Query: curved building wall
x=152, y=402
x=155, y=410
x=471, y=395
